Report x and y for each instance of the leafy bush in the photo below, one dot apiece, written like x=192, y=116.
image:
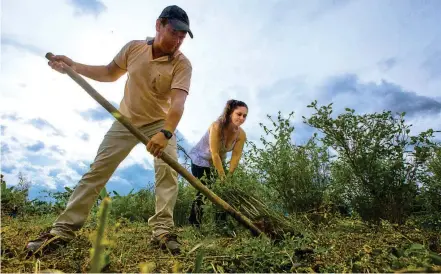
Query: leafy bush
x=298, y=174
x=186, y=195
x=379, y=164
x=431, y=187
x=138, y=206
x=428, y=210
x=14, y=199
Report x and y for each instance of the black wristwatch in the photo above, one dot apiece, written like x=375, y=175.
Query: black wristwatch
x=167, y=133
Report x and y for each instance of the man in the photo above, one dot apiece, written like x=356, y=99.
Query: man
x=154, y=97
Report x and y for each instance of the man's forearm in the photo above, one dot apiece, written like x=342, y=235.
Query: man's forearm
x=173, y=117
x=97, y=73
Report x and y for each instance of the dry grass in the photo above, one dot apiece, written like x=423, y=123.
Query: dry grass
x=342, y=245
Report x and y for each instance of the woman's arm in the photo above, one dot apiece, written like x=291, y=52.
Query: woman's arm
x=237, y=151
x=214, y=148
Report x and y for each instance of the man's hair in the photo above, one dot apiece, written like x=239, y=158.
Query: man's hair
x=164, y=21
x=225, y=118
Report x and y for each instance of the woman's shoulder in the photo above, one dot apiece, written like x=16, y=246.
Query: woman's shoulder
x=214, y=126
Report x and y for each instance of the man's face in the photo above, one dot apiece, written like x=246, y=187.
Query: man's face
x=170, y=40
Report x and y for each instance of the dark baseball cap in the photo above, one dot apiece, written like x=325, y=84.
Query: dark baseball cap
x=178, y=18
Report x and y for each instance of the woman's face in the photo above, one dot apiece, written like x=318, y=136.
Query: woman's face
x=239, y=116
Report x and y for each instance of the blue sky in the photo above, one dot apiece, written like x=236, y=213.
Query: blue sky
x=274, y=55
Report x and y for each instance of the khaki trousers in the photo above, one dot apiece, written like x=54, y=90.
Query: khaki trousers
x=116, y=145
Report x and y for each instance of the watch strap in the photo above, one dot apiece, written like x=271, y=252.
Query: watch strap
x=167, y=133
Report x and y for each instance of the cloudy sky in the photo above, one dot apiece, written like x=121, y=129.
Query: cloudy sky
x=371, y=55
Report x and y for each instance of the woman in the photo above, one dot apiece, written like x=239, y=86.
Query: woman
x=209, y=154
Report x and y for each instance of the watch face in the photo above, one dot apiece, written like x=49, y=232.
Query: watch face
x=167, y=134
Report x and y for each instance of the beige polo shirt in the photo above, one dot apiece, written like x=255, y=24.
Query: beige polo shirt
x=149, y=82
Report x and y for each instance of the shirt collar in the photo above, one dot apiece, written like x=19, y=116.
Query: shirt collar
x=163, y=58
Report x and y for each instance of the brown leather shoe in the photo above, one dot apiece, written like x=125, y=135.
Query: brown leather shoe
x=46, y=242
x=168, y=241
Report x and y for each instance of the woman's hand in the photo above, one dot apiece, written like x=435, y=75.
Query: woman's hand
x=222, y=179
x=226, y=178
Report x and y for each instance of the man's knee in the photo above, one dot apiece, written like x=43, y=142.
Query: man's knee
x=164, y=173
x=97, y=171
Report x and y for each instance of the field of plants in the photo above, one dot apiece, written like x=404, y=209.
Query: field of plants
x=362, y=195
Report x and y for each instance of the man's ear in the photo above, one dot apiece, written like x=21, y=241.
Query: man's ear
x=158, y=24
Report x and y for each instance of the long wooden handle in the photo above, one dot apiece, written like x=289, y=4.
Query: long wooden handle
x=164, y=156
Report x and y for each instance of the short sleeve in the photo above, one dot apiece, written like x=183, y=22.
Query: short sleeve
x=121, y=57
x=182, y=76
